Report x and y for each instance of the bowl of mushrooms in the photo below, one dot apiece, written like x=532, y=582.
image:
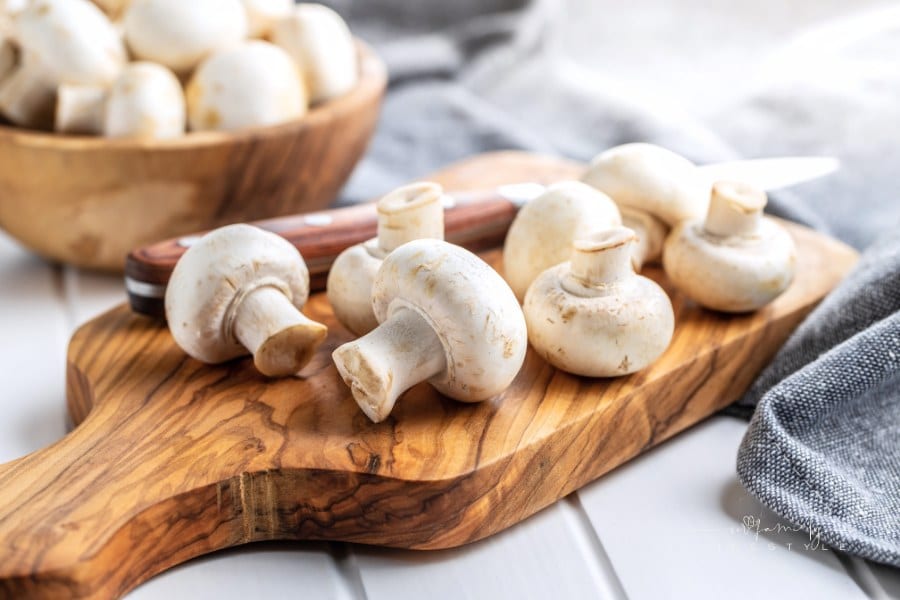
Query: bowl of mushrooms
x=126, y=122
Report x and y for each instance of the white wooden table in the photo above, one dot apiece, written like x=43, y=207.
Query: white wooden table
x=667, y=525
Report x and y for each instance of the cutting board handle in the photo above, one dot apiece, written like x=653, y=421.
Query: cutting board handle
x=52, y=547
x=130, y=493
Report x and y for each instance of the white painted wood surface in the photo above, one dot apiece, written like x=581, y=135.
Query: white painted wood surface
x=668, y=525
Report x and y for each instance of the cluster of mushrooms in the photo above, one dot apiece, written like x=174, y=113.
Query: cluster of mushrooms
x=427, y=310
x=154, y=69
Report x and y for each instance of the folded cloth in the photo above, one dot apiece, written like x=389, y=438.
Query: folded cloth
x=469, y=76
x=823, y=447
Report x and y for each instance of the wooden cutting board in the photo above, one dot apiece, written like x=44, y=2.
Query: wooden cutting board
x=172, y=459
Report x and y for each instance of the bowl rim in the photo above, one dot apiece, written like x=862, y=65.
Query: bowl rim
x=372, y=81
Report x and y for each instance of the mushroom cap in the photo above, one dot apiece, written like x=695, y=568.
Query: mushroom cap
x=730, y=274
x=147, y=101
x=180, y=34
x=250, y=84
x=71, y=40
x=471, y=309
x=614, y=329
x=541, y=235
x=318, y=39
x=262, y=14
x=13, y=7
x=224, y=265
x=8, y=57
x=349, y=286
x=651, y=178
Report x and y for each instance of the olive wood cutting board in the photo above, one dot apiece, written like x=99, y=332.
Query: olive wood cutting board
x=172, y=459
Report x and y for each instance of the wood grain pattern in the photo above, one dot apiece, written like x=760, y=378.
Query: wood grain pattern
x=173, y=459
x=88, y=201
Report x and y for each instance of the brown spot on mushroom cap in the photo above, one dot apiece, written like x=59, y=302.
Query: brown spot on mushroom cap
x=211, y=118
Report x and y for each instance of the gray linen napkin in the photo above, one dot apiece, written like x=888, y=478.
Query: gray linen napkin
x=823, y=447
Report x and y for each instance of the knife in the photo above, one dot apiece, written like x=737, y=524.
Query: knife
x=477, y=220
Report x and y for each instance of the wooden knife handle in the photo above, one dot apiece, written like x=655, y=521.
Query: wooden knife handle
x=476, y=220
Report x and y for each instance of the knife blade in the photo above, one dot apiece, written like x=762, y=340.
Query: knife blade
x=773, y=173
x=477, y=220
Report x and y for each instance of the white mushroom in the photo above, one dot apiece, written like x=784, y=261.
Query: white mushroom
x=408, y=213
x=13, y=7
x=648, y=182
x=650, y=178
x=9, y=52
x=320, y=42
x=239, y=291
x=541, y=235
x=9, y=10
x=62, y=42
x=179, y=34
x=253, y=83
x=595, y=316
x=262, y=14
x=9, y=56
x=651, y=234
x=736, y=260
x=145, y=101
x=80, y=109
x=446, y=317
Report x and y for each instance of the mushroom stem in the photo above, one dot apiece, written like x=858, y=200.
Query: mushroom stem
x=602, y=258
x=403, y=351
x=650, y=232
x=734, y=209
x=280, y=337
x=80, y=109
x=412, y=212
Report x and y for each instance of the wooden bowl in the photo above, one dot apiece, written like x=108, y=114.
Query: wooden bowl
x=88, y=201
